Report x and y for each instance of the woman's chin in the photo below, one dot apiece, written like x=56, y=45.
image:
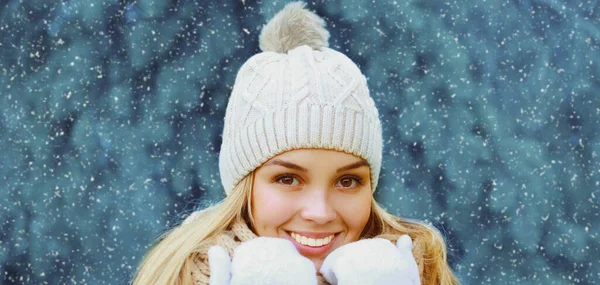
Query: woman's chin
x=318, y=264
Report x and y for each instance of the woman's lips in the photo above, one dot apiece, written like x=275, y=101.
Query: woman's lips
x=313, y=235
x=313, y=251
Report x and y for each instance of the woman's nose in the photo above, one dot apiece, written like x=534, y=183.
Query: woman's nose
x=318, y=208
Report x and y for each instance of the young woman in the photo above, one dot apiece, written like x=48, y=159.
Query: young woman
x=300, y=160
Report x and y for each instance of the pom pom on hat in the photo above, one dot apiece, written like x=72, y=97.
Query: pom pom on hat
x=292, y=27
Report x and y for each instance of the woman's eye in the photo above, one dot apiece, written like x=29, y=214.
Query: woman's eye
x=349, y=182
x=288, y=180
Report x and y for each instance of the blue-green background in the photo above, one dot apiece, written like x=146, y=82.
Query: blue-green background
x=111, y=114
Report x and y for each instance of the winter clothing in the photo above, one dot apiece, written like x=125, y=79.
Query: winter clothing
x=297, y=93
x=367, y=261
x=228, y=240
x=372, y=261
x=263, y=260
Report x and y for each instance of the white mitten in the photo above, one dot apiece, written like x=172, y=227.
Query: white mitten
x=372, y=261
x=263, y=261
x=220, y=266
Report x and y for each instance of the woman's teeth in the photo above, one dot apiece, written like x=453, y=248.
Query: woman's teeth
x=311, y=241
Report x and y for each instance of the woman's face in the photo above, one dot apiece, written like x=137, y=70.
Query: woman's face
x=321, y=196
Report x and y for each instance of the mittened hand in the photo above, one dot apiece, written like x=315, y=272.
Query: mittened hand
x=265, y=261
x=220, y=266
x=372, y=261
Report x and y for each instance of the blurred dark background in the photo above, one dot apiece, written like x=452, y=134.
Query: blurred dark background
x=111, y=114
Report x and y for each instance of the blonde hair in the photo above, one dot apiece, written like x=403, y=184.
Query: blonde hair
x=171, y=259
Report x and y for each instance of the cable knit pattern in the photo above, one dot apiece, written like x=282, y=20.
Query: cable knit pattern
x=230, y=239
x=302, y=99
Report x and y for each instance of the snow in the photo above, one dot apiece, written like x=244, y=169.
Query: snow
x=111, y=115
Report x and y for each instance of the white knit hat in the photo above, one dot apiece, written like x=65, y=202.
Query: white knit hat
x=296, y=94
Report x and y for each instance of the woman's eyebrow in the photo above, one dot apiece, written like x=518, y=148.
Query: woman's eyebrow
x=300, y=168
x=353, y=165
x=286, y=164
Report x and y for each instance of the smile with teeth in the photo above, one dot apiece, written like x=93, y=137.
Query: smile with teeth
x=311, y=241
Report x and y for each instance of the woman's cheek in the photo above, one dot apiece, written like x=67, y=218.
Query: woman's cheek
x=272, y=206
x=355, y=211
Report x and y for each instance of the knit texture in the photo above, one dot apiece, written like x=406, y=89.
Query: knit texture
x=299, y=97
x=237, y=233
x=303, y=99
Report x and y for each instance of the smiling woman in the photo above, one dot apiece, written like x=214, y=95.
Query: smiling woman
x=300, y=160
